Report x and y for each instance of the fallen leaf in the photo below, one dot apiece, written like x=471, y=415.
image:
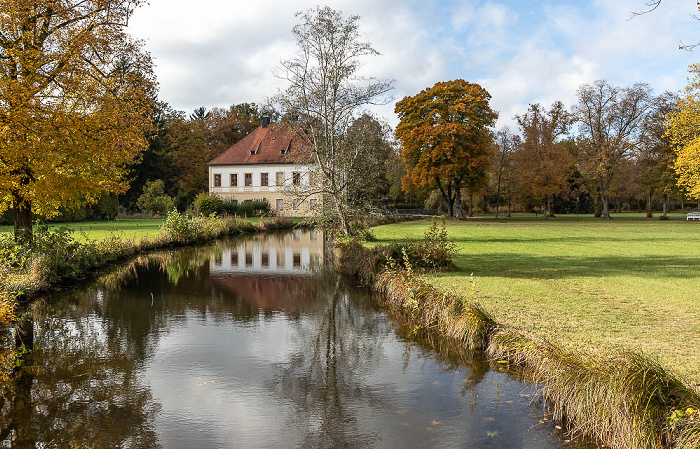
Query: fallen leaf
x=435, y=423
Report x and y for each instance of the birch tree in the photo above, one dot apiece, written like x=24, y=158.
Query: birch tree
x=326, y=94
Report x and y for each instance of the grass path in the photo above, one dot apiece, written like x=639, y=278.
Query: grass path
x=631, y=282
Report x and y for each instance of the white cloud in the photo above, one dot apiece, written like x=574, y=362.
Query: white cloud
x=217, y=53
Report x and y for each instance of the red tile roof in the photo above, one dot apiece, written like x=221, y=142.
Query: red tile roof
x=276, y=143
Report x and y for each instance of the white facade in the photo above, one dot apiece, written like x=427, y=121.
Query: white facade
x=255, y=172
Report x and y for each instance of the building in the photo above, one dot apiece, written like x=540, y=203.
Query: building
x=265, y=165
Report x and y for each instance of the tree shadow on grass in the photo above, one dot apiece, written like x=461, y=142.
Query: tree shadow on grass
x=529, y=266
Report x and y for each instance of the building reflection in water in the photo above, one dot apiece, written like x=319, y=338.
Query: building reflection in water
x=300, y=252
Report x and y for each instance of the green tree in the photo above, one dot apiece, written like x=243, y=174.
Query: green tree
x=154, y=198
x=75, y=101
x=445, y=138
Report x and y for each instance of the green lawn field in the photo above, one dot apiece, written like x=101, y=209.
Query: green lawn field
x=129, y=228
x=631, y=282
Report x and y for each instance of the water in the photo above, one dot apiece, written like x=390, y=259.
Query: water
x=246, y=344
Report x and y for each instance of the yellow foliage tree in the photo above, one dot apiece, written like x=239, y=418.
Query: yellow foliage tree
x=75, y=103
x=683, y=128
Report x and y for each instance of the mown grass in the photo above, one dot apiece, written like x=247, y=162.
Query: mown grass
x=585, y=284
x=127, y=228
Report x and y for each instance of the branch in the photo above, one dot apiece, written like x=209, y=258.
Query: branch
x=651, y=5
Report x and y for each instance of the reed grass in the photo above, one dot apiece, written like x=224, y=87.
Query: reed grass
x=623, y=399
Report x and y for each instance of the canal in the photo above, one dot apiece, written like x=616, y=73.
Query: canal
x=250, y=343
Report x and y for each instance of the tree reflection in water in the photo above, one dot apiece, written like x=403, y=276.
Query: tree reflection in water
x=76, y=388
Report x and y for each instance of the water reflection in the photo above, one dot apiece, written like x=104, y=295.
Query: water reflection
x=246, y=344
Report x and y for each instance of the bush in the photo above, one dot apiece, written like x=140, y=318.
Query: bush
x=207, y=204
x=154, y=199
x=256, y=207
x=179, y=228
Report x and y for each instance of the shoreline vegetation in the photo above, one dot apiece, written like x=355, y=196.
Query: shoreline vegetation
x=621, y=398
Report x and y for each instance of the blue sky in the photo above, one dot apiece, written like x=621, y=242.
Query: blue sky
x=217, y=53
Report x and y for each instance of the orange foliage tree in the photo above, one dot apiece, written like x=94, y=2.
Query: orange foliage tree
x=75, y=103
x=445, y=138
x=544, y=161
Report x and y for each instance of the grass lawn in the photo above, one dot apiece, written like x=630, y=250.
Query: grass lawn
x=130, y=228
x=631, y=283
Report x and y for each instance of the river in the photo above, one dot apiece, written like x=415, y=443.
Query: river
x=251, y=344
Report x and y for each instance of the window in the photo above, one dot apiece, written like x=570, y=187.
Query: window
x=265, y=259
x=279, y=178
x=296, y=260
x=313, y=203
x=248, y=259
x=296, y=205
x=234, y=258
x=279, y=204
x=296, y=178
x=248, y=179
x=263, y=179
x=217, y=180
x=234, y=179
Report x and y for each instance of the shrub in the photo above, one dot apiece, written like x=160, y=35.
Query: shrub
x=207, y=204
x=256, y=207
x=179, y=228
x=154, y=199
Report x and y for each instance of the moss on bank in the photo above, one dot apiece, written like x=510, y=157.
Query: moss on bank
x=622, y=399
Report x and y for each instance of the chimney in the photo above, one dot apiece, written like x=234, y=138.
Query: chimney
x=265, y=121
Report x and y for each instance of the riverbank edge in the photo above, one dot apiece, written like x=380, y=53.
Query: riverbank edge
x=623, y=399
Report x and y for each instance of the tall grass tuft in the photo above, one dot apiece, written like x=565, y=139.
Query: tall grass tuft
x=431, y=310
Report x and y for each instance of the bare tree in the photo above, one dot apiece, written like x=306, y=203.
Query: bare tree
x=610, y=123
x=325, y=96
x=506, y=145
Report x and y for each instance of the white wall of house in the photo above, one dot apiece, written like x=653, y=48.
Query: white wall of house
x=255, y=171
x=280, y=196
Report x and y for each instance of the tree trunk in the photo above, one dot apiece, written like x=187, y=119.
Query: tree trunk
x=458, y=202
x=665, y=207
x=22, y=216
x=509, y=206
x=498, y=197
x=471, y=204
x=544, y=208
x=698, y=204
x=606, y=205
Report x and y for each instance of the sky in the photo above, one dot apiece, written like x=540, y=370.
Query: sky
x=216, y=53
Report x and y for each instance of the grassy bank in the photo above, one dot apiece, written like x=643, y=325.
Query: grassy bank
x=584, y=284
x=58, y=253
x=126, y=228
x=621, y=397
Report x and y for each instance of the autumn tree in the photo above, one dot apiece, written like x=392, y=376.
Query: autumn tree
x=683, y=129
x=445, y=138
x=544, y=161
x=610, y=120
x=656, y=158
x=325, y=95
x=75, y=100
